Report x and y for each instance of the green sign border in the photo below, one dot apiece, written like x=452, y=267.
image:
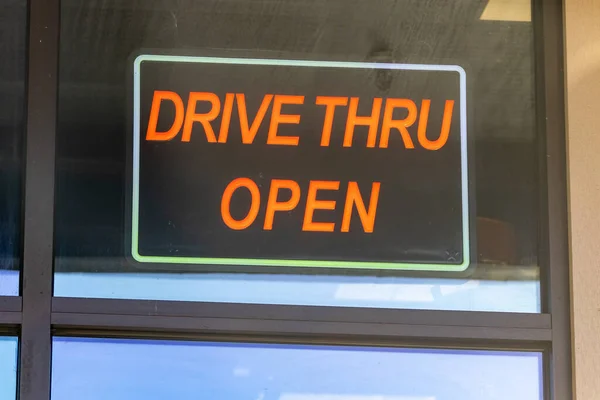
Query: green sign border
x=291, y=262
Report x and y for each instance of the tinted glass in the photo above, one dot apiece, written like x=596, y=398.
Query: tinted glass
x=138, y=218
x=130, y=369
x=13, y=27
x=8, y=368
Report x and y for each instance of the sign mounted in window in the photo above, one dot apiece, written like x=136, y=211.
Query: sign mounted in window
x=299, y=164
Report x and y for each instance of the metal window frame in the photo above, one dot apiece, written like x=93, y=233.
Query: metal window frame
x=36, y=315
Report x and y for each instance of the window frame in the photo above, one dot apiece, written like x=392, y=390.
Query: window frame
x=37, y=316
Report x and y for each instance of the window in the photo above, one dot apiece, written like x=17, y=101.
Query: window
x=12, y=102
x=8, y=368
x=179, y=215
x=285, y=270
x=142, y=369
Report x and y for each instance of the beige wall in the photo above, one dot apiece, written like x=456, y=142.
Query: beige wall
x=582, y=19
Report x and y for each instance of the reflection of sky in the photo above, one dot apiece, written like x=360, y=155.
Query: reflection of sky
x=128, y=370
x=349, y=291
x=8, y=368
x=9, y=283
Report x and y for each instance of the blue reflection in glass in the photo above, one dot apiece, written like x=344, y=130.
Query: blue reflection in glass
x=8, y=368
x=9, y=283
x=139, y=369
x=337, y=291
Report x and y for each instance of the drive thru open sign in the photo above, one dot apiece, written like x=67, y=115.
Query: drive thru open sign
x=295, y=163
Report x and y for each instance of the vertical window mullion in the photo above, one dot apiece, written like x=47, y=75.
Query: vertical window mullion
x=559, y=370
x=38, y=226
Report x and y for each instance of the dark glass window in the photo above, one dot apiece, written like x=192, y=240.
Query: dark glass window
x=99, y=43
x=13, y=27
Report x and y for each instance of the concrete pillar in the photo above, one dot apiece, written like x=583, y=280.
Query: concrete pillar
x=582, y=22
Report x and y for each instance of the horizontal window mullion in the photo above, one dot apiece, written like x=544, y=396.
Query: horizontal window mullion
x=10, y=304
x=300, y=313
x=9, y=318
x=361, y=332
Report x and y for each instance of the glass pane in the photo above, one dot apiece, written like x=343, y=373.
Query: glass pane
x=280, y=206
x=139, y=369
x=8, y=368
x=13, y=27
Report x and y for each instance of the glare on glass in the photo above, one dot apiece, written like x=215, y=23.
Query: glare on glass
x=8, y=368
x=141, y=369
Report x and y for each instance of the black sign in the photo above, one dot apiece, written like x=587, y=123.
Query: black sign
x=293, y=163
